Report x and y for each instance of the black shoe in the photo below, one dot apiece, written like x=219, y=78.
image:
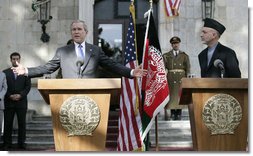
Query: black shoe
x=5, y=147
x=22, y=146
x=173, y=117
x=179, y=112
x=177, y=117
x=172, y=114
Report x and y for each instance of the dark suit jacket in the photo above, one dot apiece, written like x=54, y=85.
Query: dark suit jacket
x=66, y=58
x=21, y=85
x=227, y=56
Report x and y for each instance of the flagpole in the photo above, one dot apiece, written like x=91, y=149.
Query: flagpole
x=156, y=134
x=156, y=120
x=137, y=107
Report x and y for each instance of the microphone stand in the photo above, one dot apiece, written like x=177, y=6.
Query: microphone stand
x=79, y=64
x=79, y=71
x=222, y=73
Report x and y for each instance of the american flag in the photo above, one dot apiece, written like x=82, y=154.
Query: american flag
x=172, y=7
x=130, y=126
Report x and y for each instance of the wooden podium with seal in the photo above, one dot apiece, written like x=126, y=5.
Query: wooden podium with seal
x=80, y=111
x=218, y=110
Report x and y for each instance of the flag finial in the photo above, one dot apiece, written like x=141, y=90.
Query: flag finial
x=151, y=4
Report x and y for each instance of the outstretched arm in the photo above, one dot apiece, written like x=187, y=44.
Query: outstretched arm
x=20, y=70
x=48, y=68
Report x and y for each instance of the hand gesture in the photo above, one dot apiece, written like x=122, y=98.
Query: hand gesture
x=139, y=72
x=19, y=70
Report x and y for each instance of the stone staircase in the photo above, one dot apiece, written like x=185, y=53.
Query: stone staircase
x=173, y=135
x=39, y=132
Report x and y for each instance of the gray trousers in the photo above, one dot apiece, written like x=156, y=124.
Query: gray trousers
x=1, y=121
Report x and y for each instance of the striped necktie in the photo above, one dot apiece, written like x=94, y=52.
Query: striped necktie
x=81, y=51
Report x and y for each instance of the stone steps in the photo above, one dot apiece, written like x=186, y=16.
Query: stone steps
x=171, y=134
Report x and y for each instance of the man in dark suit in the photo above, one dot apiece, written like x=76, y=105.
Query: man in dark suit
x=217, y=54
x=15, y=102
x=80, y=59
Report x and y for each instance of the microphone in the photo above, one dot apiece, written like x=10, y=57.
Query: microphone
x=219, y=64
x=79, y=63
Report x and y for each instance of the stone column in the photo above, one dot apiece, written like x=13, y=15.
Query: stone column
x=86, y=13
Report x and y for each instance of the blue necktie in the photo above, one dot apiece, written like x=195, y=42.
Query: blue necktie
x=81, y=51
x=15, y=76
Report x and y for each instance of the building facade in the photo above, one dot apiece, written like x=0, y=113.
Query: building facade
x=21, y=32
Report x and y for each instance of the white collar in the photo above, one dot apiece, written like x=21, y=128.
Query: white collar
x=77, y=48
x=77, y=44
x=175, y=52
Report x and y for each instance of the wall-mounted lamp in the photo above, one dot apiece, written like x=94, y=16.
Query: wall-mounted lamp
x=43, y=9
x=207, y=8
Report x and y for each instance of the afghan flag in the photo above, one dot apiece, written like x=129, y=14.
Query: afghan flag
x=154, y=84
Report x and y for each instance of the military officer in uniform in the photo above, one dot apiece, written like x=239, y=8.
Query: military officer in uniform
x=177, y=65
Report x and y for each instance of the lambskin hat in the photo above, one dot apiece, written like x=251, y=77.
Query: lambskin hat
x=211, y=23
x=175, y=39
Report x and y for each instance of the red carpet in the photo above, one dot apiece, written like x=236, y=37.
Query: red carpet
x=164, y=149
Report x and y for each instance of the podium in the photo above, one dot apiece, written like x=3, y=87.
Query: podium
x=218, y=110
x=80, y=109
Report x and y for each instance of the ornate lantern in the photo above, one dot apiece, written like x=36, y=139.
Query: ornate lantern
x=43, y=9
x=207, y=8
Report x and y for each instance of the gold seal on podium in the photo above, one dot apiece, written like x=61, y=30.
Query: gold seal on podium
x=79, y=115
x=221, y=114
